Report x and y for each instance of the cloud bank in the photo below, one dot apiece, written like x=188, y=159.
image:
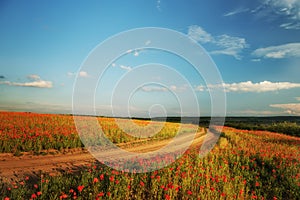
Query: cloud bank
x=280, y=51
x=155, y=88
x=286, y=12
x=249, y=86
x=35, y=81
x=289, y=108
x=289, y=9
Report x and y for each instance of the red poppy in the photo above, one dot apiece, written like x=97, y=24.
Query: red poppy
x=95, y=180
x=100, y=194
x=102, y=177
x=63, y=196
x=80, y=188
x=142, y=183
x=112, y=178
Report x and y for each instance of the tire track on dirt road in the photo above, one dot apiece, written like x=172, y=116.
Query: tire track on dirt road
x=15, y=168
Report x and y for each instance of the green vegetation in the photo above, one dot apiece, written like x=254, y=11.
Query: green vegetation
x=289, y=128
x=289, y=125
x=243, y=165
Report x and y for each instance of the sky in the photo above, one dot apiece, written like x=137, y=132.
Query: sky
x=255, y=46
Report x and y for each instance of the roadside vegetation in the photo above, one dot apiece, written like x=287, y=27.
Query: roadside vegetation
x=244, y=164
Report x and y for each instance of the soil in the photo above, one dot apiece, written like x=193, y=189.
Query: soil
x=14, y=168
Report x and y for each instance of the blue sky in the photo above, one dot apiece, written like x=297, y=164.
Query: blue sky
x=254, y=44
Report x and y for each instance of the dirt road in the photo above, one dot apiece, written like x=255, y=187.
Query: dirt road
x=14, y=168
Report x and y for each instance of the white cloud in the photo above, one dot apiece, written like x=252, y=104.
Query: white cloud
x=178, y=88
x=134, y=51
x=265, y=86
x=290, y=9
x=290, y=25
x=227, y=45
x=199, y=34
x=113, y=64
x=282, y=10
x=40, y=84
x=36, y=81
x=200, y=88
x=280, y=51
x=237, y=11
x=34, y=77
x=248, y=86
x=250, y=112
x=173, y=87
x=256, y=60
x=125, y=67
x=83, y=74
x=289, y=108
x=227, y=41
x=232, y=45
x=154, y=89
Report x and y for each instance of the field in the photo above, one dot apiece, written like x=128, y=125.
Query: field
x=244, y=164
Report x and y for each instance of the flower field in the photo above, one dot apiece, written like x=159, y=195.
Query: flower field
x=32, y=132
x=242, y=165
